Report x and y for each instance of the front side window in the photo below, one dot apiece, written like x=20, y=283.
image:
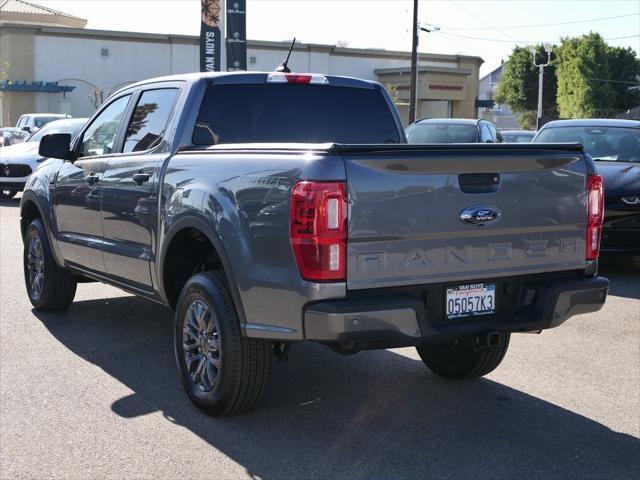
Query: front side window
x=149, y=120
x=99, y=138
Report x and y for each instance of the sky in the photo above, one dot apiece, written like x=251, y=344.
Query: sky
x=486, y=28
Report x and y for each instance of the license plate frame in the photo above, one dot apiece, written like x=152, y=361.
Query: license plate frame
x=469, y=300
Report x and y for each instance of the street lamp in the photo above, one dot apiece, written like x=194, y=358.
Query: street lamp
x=547, y=47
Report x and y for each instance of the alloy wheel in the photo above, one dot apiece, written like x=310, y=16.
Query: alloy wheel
x=201, y=345
x=35, y=265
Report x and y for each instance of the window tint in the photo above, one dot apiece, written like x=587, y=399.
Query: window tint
x=42, y=121
x=441, y=133
x=149, y=120
x=602, y=143
x=485, y=133
x=294, y=113
x=494, y=132
x=99, y=137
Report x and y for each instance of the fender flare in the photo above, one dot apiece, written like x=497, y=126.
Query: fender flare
x=31, y=196
x=195, y=221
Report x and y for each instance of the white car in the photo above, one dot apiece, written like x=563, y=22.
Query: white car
x=18, y=161
x=32, y=122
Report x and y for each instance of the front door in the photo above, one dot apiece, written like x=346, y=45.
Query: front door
x=78, y=190
x=130, y=188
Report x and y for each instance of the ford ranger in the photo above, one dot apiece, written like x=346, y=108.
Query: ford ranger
x=270, y=208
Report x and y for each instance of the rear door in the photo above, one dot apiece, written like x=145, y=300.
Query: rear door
x=130, y=186
x=409, y=218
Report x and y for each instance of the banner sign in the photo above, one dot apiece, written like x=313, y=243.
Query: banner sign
x=211, y=28
x=236, y=35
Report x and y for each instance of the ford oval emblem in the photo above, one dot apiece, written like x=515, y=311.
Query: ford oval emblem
x=479, y=215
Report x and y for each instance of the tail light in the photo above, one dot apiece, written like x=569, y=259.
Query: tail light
x=595, y=216
x=319, y=230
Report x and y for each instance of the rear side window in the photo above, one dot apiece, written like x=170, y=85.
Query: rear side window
x=293, y=113
x=149, y=120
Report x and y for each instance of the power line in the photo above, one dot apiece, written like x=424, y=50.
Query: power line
x=620, y=38
x=480, y=19
x=614, y=81
x=484, y=39
x=544, y=24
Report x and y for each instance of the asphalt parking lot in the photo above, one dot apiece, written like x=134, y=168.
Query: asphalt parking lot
x=94, y=393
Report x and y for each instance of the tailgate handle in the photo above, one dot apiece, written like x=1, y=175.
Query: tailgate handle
x=479, y=182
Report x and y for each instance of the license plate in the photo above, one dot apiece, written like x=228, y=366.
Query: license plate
x=471, y=300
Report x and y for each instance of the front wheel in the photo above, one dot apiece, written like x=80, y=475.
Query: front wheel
x=49, y=286
x=463, y=357
x=222, y=372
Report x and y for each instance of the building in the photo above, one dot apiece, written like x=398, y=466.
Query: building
x=57, y=65
x=499, y=114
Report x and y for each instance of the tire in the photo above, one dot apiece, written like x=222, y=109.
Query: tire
x=49, y=287
x=222, y=372
x=461, y=359
x=7, y=193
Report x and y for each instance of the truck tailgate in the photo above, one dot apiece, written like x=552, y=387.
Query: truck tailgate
x=439, y=214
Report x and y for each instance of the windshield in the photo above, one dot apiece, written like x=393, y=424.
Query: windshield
x=42, y=121
x=602, y=143
x=442, y=133
x=272, y=113
x=63, y=127
x=517, y=137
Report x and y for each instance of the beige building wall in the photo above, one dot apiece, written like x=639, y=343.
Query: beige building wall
x=17, y=48
x=448, y=92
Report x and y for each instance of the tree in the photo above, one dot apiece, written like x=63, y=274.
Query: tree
x=519, y=85
x=583, y=70
x=624, y=69
x=392, y=90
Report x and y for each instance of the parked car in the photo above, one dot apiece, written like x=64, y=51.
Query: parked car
x=273, y=208
x=18, y=161
x=517, y=136
x=452, y=130
x=11, y=136
x=615, y=147
x=32, y=122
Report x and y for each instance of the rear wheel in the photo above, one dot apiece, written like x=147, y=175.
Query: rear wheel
x=7, y=193
x=223, y=372
x=464, y=357
x=49, y=286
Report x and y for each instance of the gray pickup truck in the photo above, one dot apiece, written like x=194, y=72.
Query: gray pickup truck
x=272, y=208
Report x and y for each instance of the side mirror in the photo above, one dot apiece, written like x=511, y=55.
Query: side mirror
x=27, y=129
x=56, y=145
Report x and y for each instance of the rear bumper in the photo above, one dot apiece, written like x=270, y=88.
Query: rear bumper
x=401, y=319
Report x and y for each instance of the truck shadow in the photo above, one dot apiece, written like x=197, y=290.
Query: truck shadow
x=375, y=414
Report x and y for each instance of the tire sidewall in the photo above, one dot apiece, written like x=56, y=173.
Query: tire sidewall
x=211, y=291
x=36, y=228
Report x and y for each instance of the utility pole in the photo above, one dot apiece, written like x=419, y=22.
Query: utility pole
x=414, y=64
x=547, y=47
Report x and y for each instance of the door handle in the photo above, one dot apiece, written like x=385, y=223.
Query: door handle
x=140, y=178
x=92, y=178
